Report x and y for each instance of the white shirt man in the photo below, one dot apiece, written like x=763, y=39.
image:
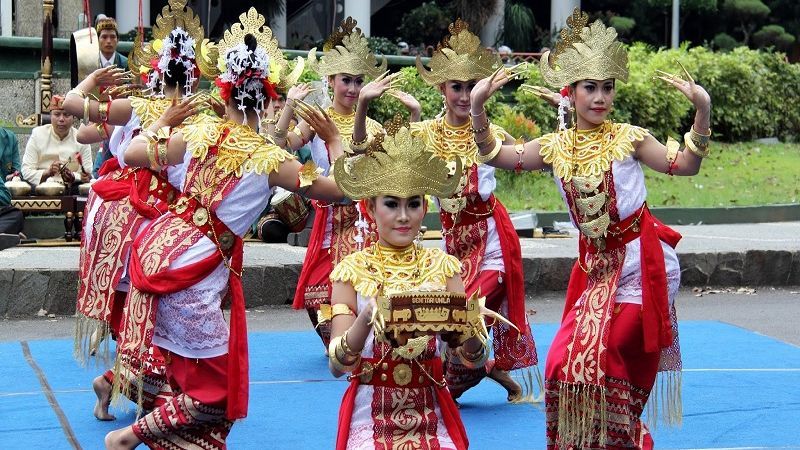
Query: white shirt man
x=54, y=154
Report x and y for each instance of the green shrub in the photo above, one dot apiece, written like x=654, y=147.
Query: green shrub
x=382, y=46
x=754, y=93
x=516, y=124
x=725, y=42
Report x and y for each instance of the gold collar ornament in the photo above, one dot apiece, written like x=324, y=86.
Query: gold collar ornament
x=460, y=56
x=584, y=53
x=397, y=164
x=346, y=51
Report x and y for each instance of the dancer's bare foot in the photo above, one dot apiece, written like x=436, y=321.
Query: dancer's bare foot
x=512, y=387
x=102, y=389
x=122, y=439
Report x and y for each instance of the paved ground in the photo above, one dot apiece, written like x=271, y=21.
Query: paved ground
x=44, y=280
x=768, y=311
x=784, y=236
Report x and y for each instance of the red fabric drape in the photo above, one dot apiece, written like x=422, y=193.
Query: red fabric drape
x=655, y=302
x=312, y=253
x=174, y=280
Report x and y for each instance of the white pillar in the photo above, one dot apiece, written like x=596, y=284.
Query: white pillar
x=5, y=18
x=493, y=26
x=361, y=11
x=128, y=15
x=278, y=25
x=676, y=19
x=559, y=11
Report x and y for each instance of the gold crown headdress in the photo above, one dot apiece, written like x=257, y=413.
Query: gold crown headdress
x=173, y=16
x=346, y=51
x=281, y=74
x=460, y=57
x=396, y=164
x=584, y=53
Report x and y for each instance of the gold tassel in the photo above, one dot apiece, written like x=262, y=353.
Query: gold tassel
x=124, y=384
x=530, y=378
x=580, y=406
x=91, y=341
x=665, y=401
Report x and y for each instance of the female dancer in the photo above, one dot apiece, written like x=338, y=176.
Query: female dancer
x=475, y=225
x=187, y=260
x=617, y=331
x=125, y=199
x=395, y=400
x=345, y=64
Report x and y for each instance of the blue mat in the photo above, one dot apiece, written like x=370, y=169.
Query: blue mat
x=739, y=391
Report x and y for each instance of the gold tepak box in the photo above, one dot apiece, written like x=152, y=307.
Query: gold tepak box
x=428, y=312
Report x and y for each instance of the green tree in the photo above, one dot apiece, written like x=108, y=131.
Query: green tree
x=748, y=13
x=425, y=24
x=773, y=36
x=519, y=29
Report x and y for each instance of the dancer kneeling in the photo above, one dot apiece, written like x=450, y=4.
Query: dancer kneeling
x=394, y=177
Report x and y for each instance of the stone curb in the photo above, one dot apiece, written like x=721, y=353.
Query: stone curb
x=27, y=293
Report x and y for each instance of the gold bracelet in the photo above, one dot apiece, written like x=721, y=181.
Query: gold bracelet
x=279, y=133
x=360, y=146
x=483, y=159
x=345, y=347
x=86, y=110
x=700, y=140
x=480, y=130
x=151, y=152
x=102, y=111
x=270, y=121
x=700, y=152
x=340, y=309
x=162, y=153
x=76, y=91
x=484, y=140
x=101, y=130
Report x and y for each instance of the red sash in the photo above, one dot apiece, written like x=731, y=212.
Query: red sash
x=174, y=280
x=655, y=303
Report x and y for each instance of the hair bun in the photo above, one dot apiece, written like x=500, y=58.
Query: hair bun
x=251, y=42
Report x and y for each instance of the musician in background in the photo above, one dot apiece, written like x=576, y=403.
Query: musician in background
x=54, y=154
x=108, y=35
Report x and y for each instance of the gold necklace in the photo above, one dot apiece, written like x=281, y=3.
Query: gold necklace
x=344, y=122
x=415, y=274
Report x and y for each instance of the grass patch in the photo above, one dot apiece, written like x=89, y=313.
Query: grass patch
x=740, y=174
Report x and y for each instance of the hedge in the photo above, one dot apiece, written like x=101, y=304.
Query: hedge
x=754, y=95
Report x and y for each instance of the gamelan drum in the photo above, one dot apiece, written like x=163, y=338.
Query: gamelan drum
x=84, y=54
x=292, y=209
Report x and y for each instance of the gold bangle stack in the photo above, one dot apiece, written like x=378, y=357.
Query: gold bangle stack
x=342, y=357
x=697, y=143
x=483, y=159
x=157, y=147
